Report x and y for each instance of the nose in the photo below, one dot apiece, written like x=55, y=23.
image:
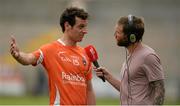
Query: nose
x=85, y=31
x=114, y=34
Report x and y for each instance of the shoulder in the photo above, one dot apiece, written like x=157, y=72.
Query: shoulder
x=147, y=54
x=49, y=45
x=151, y=53
x=147, y=51
x=152, y=59
x=81, y=49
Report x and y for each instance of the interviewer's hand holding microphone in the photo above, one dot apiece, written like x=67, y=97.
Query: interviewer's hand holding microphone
x=100, y=71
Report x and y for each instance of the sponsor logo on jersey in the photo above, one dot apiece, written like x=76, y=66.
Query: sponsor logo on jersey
x=72, y=77
x=84, y=61
x=69, y=58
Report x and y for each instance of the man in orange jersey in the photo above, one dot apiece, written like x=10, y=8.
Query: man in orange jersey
x=67, y=65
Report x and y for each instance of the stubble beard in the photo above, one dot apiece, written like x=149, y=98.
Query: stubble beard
x=123, y=43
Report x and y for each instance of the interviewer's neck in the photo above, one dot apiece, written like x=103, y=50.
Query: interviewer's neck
x=132, y=47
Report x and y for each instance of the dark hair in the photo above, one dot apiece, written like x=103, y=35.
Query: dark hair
x=138, y=26
x=69, y=15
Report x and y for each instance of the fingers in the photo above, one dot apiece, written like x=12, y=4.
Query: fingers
x=13, y=39
x=13, y=48
x=13, y=51
x=99, y=74
x=100, y=71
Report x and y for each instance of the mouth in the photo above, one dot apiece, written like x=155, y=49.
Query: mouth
x=82, y=36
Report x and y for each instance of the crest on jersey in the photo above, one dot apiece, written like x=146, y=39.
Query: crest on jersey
x=84, y=61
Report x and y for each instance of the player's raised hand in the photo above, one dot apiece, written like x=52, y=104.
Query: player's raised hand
x=14, y=50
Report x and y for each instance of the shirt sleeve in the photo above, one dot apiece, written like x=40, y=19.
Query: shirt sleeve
x=39, y=56
x=153, y=68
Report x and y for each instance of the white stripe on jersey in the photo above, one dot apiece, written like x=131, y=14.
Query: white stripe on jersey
x=41, y=57
x=57, y=99
x=60, y=41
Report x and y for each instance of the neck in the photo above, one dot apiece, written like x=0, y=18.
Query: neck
x=67, y=41
x=132, y=47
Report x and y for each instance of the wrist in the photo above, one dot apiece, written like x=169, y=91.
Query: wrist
x=107, y=76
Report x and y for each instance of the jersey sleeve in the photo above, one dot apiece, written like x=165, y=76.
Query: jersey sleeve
x=153, y=68
x=39, y=56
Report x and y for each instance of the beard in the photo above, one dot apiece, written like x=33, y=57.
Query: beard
x=123, y=43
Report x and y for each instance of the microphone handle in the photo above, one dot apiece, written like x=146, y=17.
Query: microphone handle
x=97, y=66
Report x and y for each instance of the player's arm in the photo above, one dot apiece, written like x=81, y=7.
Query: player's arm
x=158, y=87
x=21, y=57
x=113, y=81
x=90, y=94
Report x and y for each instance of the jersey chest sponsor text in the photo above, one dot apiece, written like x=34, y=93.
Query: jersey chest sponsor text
x=72, y=77
x=75, y=60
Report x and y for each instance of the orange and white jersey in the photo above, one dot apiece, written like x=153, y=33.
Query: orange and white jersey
x=69, y=69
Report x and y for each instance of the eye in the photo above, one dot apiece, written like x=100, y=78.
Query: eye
x=82, y=26
x=116, y=33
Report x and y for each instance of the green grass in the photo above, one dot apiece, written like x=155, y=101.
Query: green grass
x=107, y=101
x=29, y=100
x=44, y=100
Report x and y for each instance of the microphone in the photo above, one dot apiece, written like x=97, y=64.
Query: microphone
x=93, y=56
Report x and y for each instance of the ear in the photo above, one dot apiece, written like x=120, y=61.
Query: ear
x=132, y=38
x=67, y=25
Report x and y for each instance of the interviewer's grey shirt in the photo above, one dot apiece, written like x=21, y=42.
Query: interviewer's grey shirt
x=144, y=67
